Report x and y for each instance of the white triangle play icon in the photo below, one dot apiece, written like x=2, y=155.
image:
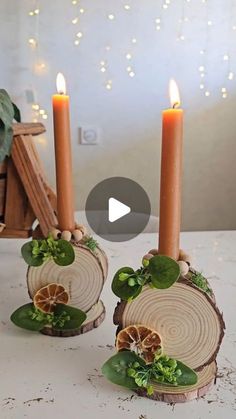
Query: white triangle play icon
x=117, y=210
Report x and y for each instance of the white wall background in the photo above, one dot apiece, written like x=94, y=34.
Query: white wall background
x=129, y=115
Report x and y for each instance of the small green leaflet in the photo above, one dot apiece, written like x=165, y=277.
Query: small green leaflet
x=115, y=369
x=164, y=271
x=188, y=377
x=22, y=318
x=29, y=258
x=77, y=317
x=122, y=289
x=66, y=249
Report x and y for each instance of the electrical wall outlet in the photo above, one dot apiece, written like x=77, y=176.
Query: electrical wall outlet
x=89, y=135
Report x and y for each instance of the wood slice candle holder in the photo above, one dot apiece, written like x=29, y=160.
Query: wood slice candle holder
x=83, y=280
x=191, y=327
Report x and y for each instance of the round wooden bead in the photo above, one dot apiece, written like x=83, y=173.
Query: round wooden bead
x=184, y=267
x=77, y=235
x=185, y=257
x=82, y=228
x=153, y=252
x=66, y=235
x=148, y=256
x=55, y=233
x=188, y=259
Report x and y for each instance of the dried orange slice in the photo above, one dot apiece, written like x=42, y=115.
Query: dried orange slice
x=143, y=340
x=47, y=297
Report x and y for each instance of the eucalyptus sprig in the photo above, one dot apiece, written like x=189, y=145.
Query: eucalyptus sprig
x=159, y=272
x=36, y=252
x=129, y=370
x=8, y=112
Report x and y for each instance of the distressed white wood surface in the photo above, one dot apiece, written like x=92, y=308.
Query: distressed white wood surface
x=43, y=377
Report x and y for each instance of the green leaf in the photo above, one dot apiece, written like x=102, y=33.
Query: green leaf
x=188, y=377
x=17, y=115
x=66, y=255
x=164, y=271
x=115, y=369
x=21, y=318
x=29, y=258
x=91, y=243
x=77, y=317
x=6, y=119
x=198, y=279
x=122, y=289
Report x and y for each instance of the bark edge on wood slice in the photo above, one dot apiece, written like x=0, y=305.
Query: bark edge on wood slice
x=188, y=320
x=83, y=279
x=95, y=317
x=170, y=394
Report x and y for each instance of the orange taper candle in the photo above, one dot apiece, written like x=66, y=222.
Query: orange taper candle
x=62, y=141
x=171, y=177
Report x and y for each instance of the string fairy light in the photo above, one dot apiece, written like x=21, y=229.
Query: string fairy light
x=202, y=69
x=76, y=21
x=227, y=57
x=38, y=66
x=182, y=21
x=128, y=54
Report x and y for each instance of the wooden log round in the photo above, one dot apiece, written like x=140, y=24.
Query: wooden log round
x=84, y=279
x=169, y=394
x=188, y=320
x=95, y=317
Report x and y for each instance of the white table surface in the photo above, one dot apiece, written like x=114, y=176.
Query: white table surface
x=45, y=377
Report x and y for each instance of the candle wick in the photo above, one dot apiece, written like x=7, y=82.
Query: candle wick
x=175, y=105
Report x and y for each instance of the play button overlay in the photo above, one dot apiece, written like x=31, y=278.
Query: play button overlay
x=118, y=209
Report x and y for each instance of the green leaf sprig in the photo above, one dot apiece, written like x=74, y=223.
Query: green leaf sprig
x=8, y=112
x=201, y=282
x=49, y=318
x=159, y=272
x=64, y=317
x=129, y=370
x=91, y=243
x=36, y=252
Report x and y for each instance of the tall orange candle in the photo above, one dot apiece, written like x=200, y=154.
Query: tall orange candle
x=171, y=177
x=62, y=141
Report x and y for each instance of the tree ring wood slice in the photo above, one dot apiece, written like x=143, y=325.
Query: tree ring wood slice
x=168, y=394
x=95, y=317
x=84, y=279
x=190, y=324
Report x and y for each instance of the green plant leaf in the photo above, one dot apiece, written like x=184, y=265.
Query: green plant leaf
x=115, y=369
x=6, y=119
x=67, y=254
x=21, y=318
x=201, y=282
x=77, y=317
x=164, y=271
x=28, y=257
x=188, y=377
x=91, y=243
x=17, y=115
x=122, y=289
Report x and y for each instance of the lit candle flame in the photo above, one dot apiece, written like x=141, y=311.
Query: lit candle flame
x=61, y=84
x=174, y=94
